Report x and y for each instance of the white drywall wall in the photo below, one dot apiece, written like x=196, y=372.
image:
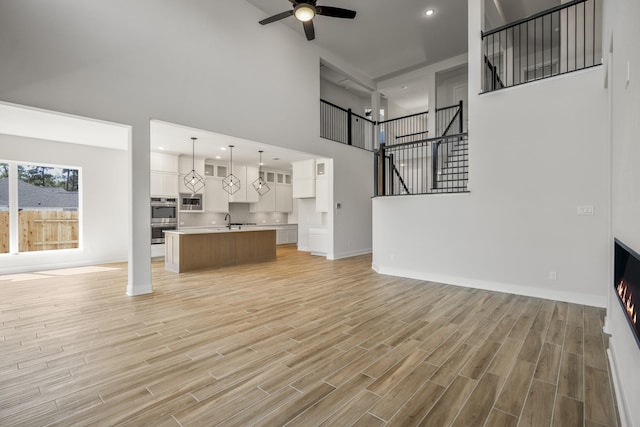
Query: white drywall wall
x=104, y=199
x=536, y=153
x=623, y=65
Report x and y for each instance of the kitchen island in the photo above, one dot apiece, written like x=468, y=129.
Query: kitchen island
x=196, y=249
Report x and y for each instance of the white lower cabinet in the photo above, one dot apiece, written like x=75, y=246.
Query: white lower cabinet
x=215, y=198
x=318, y=240
x=286, y=234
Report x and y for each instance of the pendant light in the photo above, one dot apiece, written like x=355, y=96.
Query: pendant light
x=193, y=180
x=260, y=184
x=230, y=183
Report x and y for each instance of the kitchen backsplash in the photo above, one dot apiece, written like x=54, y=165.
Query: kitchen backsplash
x=239, y=213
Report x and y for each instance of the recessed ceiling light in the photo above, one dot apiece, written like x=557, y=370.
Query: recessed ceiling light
x=429, y=12
x=404, y=87
x=160, y=148
x=218, y=157
x=223, y=148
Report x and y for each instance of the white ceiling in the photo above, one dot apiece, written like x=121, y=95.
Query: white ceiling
x=388, y=38
x=175, y=139
x=385, y=37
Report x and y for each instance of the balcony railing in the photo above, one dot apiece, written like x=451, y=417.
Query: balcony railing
x=560, y=40
x=344, y=126
x=404, y=129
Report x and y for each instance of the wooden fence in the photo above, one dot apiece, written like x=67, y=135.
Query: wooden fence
x=41, y=230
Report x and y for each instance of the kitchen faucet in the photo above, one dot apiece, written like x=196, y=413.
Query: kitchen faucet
x=227, y=218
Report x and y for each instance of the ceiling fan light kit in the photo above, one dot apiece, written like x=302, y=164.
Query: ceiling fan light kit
x=305, y=11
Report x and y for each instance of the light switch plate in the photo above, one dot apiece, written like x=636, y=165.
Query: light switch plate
x=585, y=210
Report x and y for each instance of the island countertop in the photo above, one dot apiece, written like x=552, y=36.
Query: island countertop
x=220, y=230
x=195, y=249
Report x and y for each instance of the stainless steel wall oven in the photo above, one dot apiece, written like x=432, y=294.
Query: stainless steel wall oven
x=164, y=217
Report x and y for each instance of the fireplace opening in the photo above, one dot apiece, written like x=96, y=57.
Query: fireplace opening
x=627, y=284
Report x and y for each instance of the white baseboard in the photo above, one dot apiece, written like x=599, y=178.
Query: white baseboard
x=621, y=399
x=351, y=253
x=590, y=300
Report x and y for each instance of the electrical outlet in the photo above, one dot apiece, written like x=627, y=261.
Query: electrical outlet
x=585, y=210
x=553, y=275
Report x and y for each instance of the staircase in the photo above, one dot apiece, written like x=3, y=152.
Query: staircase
x=452, y=176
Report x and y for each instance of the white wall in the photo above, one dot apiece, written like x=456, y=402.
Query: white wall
x=536, y=153
x=198, y=63
x=621, y=25
x=343, y=98
x=104, y=199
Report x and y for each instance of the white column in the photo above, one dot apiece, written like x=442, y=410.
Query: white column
x=13, y=208
x=431, y=104
x=375, y=116
x=139, y=213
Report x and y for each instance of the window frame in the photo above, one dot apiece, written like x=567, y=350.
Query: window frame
x=14, y=238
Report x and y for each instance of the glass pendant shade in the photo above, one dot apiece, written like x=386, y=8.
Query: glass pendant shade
x=193, y=181
x=231, y=184
x=260, y=185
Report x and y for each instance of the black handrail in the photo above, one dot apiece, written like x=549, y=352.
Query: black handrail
x=531, y=18
x=411, y=134
x=403, y=117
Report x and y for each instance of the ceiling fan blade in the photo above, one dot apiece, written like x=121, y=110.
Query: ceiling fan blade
x=277, y=17
x=308, y=30
x=335, y=12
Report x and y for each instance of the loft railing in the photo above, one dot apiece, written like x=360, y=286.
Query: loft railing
x=344, y=126
x=436, y=165
x=557, y=41
x=404, y=129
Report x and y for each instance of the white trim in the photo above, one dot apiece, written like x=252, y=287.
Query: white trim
x=58, y=265
x=620, y=397
x=351, y=253
x=590, y=300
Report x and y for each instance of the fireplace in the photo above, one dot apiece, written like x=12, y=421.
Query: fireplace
x=627, y=284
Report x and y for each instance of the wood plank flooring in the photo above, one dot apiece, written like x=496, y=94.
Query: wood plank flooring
x=301, y=341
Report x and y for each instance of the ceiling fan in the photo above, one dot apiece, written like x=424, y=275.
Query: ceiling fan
x=304, y=11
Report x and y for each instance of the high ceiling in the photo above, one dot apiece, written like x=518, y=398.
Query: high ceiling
x=386, y=37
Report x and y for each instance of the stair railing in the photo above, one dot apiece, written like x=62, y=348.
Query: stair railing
x=407, y=168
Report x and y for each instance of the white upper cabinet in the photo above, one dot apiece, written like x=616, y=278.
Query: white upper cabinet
x=304, y=179
x=278, y=199
x=246, y=193
x=322, y=185
x=186, y=162
x=164, y=175
x=162, y=162
x=216, y=199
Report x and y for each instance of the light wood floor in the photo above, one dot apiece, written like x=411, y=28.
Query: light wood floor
x=300, y=341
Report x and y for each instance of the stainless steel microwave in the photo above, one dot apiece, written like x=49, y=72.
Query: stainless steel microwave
x=191, y=202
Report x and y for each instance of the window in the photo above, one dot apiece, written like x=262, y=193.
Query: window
x=47, y=207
